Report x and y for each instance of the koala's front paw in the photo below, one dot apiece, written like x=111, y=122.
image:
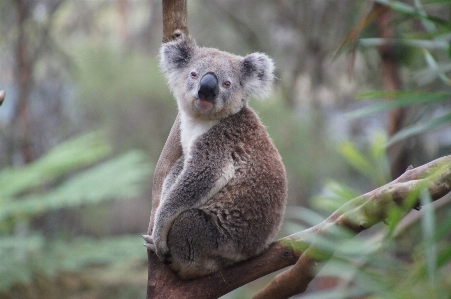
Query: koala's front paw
x=163, y=252
x=149, y=242
x=159, y=247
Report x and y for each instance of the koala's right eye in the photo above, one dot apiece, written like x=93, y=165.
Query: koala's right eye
x=193, y=75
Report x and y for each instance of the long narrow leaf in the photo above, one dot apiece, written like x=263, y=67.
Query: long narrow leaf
x=411, y=11
x=432, y=64
x=418, y=43
x=398, y=99
x=428, y=230
x=355, y=158
x=420, y=128
x=427, y=75
x=428, y=25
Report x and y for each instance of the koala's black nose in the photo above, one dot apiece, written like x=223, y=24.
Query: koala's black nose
x=208, y=88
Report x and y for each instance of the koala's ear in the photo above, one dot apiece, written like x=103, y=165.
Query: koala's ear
x=176, y=54
x=257, y=74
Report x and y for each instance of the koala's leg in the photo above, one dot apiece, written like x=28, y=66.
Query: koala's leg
x=193, y=243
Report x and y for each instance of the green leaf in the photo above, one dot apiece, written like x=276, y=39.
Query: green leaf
x=69, y=156
x=355, y=158
x=444, y=258
x=411, y=11
x=428, y=74
x=114, y=179
x=417, y=43
x=333, y=196
x=432, y=64
x=420, y=128
x=26, y=257
x=428, y=230
x=398, y=99
x=381, y=172
x=444, y=229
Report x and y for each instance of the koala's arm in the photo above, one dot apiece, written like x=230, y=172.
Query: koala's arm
x=172, y=151
x=198, y=182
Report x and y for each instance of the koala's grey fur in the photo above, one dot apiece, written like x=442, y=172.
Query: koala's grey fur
x=224, y=199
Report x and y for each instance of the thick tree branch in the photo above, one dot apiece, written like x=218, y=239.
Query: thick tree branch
x=357, y=215
x=160, y=277
x=172, y=150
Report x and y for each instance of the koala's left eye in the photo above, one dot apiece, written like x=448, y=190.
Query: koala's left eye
x=193, y=75
x=226, y=84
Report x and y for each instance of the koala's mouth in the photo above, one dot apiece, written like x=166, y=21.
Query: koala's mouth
x=203, y=105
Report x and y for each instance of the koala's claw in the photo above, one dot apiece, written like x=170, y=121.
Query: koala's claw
x=149, y=243
x=162, y=255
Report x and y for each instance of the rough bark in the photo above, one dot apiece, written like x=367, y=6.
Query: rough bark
x=159, y=276
x=172, y=150
x=175, y=19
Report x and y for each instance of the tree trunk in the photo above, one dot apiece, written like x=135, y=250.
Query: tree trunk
x=24, y=83
x=398, y=154
x=159, y=276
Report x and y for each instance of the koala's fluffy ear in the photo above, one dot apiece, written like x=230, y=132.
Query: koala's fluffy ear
x=257, y=74
x=176, y=55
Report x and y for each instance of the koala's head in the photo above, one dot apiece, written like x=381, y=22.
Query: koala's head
x=211, y=84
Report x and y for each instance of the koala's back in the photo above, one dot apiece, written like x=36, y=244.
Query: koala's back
x=246, y=214
x=251, y=206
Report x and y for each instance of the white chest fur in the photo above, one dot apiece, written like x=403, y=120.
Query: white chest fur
x=191, y=129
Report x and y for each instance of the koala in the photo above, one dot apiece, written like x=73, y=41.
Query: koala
x=224, y=199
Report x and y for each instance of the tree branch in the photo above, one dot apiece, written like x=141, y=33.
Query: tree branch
x=172, y=150
x=357, y=215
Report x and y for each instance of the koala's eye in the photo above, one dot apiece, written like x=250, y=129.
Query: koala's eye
x=226, y=84
x=193, y=75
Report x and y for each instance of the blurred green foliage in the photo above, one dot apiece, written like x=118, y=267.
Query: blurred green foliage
x=118, y=90
x=79, y=172
x=411, y=258
x=428, y=88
